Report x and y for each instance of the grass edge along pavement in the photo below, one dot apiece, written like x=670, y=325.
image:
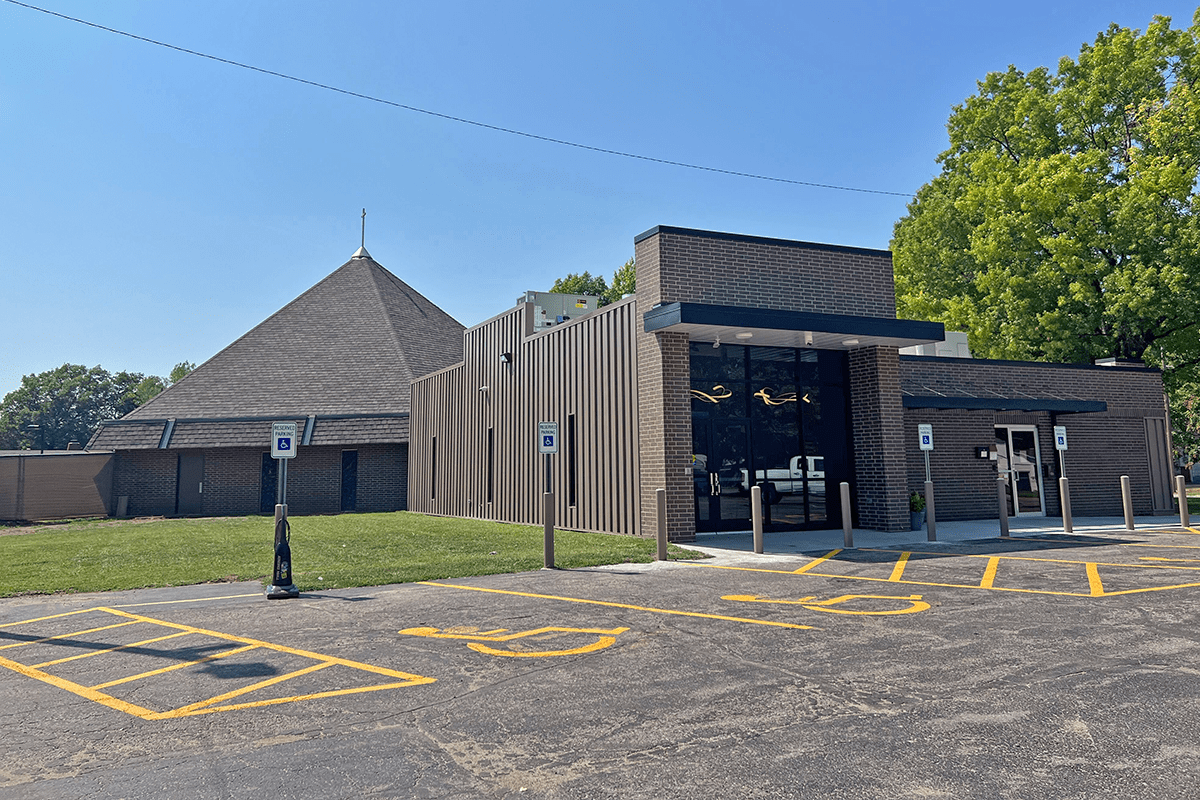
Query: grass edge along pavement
x=342, y=551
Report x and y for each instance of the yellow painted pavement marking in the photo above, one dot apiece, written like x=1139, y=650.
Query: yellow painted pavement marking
x=1160, y=558
x=955, y=585
x=183, y=710
x=989, y=574
x=898, y=570
x=67, y=635
x=209, y=706
x=189, y=600
x=609, y=604
x=142, y=643
x=812, y=604
x=816, y=562
x=1093, y=575
x=607, y=639
x=164, y=670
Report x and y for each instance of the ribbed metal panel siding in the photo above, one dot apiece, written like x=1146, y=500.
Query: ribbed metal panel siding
x=587, y=368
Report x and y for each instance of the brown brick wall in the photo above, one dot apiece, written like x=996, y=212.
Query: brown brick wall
x=147, y=478
x=233, y=478
x=877, y=418
x=676, y=265
x=1103, y=446
x=733, y=270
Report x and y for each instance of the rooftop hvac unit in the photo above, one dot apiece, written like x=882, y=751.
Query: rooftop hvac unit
x=552, y=308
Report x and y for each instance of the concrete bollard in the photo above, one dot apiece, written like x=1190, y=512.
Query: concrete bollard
x=1185, y=519
x=847, y=519
x=1003, y=498
x=661, y=533
x=930, y=516
x=756, y=517
x=1064, y=493
x=1127, y=502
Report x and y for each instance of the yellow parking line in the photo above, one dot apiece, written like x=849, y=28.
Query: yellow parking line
x=142, y=643
x=294, y=698
x=267, y=645
x=43, y=619
x=207, y=706
x=898, y=570
x=1093, y=574
x=622, y=605
x=816, y=562
x=989, y=574
x=173, y=667
x=183, y=710
x=1167, y=546
x=190, y=600
x=75, y=688
x=68, y=635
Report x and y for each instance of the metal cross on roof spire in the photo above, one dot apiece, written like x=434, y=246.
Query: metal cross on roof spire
x=364, y=228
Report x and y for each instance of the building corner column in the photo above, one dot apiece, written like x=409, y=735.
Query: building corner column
x=877, y=414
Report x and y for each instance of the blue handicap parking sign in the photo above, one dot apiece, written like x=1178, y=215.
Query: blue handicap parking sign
x=285, y=443
x=548, y=441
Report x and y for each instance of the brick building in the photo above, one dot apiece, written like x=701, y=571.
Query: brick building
x=338, y=360
x=743, y=361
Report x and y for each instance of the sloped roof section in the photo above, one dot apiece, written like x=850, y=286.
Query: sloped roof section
x=352, y=344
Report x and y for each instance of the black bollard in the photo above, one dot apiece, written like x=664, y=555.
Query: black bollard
x=281, y=579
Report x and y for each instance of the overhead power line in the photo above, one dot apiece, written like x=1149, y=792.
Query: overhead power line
x=451, y=117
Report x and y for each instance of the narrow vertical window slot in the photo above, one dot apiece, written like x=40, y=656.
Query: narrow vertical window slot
x=491, y=466
x=433, y=469
x=571, y=460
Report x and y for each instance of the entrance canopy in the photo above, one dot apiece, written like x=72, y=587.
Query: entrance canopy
x=777, y=328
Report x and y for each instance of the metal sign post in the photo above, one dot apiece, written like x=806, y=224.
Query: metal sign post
x=925, y=442
x=1064, y=487
x=547, y=446
x=283, y=449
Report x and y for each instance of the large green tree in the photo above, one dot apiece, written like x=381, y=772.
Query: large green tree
x=623, y=283
x=54, y=408
x=1063, y=224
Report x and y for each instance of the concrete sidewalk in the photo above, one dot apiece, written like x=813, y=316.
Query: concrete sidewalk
x=948, y=533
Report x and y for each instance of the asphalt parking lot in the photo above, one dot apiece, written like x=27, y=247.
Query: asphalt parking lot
x=1049, y=666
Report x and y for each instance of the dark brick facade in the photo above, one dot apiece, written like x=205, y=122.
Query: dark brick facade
x=233, y=479
x=679, y=265
x=877, y=423
x=1103, y=445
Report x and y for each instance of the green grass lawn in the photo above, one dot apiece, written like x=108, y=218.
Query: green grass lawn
x=327, y=552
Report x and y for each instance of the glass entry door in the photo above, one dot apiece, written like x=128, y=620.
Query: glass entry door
x=720, y=471
x=1018, y=458
x=773, y=417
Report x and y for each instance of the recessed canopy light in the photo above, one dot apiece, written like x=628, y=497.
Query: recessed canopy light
x=744, y=335
x=849, y=342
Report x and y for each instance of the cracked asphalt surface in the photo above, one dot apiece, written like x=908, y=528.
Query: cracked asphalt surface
x=1011, y=670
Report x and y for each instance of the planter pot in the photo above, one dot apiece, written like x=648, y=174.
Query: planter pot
x=918, y=519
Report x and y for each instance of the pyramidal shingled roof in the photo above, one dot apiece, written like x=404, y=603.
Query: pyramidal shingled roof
x=352, y=344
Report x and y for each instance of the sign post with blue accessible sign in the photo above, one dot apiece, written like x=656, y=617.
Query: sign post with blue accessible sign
x=547, y=441
x=283, y=448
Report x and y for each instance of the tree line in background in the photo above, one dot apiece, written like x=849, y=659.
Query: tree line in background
x=54, y=408
x=1063, y=225
x=623, y=283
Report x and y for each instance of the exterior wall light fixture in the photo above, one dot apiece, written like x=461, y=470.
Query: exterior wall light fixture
x=506, y=358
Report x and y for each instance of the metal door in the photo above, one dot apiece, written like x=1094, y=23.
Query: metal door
x=1018, y=457
x=189, y=492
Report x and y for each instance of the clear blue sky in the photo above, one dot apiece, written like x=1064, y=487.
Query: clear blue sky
x=155, y=205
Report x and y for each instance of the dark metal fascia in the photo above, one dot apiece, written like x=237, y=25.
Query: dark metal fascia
x=746, y=238
x=778, y=319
